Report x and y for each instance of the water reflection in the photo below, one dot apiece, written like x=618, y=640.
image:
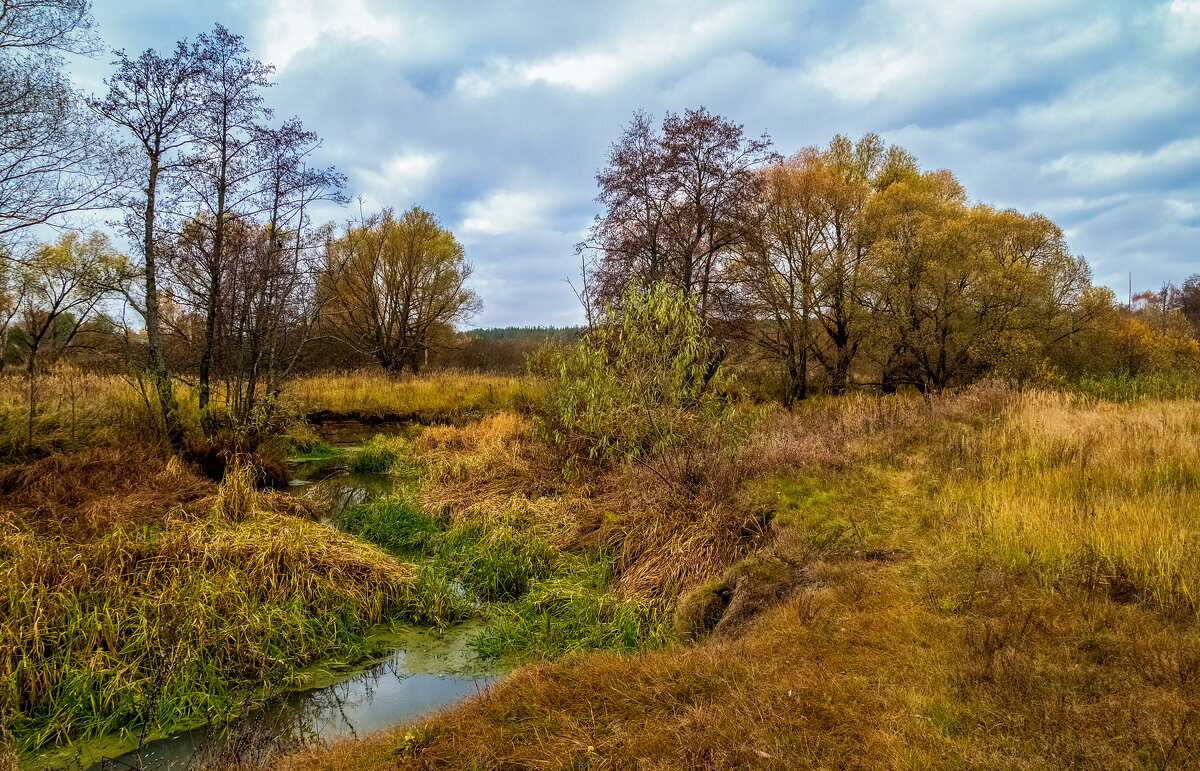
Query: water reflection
x=328, y=480
x=429, y=673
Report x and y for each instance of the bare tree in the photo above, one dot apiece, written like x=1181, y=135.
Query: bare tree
x=675, y=202
x=153, y=98
x=222, y=172
x=55, y=158
x=47, y=26
x=272, y=308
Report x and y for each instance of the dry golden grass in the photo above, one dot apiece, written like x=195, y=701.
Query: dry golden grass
x=75, y=409
x=78, y=409
x=439, y=394
x=492, y=470
x=1097, y=493
x=88, y=491
x=858, y=674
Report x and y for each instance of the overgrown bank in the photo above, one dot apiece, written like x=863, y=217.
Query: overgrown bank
x=541, y=597
x=135, y=613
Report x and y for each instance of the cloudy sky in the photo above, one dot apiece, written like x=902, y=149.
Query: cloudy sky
x=496, y=115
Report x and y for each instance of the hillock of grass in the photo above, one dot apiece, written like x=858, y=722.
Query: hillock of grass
x=169, y=623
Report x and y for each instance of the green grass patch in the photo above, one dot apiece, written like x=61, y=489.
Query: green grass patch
x=376, y=456
x=539, y=601
x=1124, y=387
x=319, y=450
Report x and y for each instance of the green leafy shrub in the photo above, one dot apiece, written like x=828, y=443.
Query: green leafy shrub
x=647, y=379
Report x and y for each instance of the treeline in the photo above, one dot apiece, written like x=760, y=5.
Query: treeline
x=849, y=265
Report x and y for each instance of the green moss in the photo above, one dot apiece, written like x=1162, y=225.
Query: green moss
x=699, y=610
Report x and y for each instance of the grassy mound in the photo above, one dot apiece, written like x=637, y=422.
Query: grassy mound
x=167, y=622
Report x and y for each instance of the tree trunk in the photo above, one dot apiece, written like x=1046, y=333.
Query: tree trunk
x=214, y=296
x=158, y=363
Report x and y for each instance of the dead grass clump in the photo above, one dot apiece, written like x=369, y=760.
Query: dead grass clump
x=664, y=552
x=675, y=520
x=493, y=470
x=93, y=489
x=215, y=456
x=237, y=496
x=493, y=435
x=755, y=587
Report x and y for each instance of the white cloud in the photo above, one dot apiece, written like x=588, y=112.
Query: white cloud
x=400, y=180
x=1097, y=104
x=1183, y=25
x=945, y=49
x=507, y=211
x=637, y=50
x=1107, y=167
x=292, y=26
x=1184, y=211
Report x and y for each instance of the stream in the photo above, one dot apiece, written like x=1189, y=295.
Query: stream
x=423, y=672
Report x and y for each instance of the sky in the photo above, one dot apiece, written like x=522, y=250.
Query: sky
x=496, y=115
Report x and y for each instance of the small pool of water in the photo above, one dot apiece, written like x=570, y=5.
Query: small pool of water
x=329, y=480
x=426, y=672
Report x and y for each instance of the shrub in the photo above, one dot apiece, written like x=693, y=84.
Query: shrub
x=647, y=379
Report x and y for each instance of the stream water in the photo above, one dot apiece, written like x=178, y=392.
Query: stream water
x=423, y=672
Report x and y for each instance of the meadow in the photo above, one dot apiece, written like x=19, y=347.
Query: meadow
x=997, y=577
